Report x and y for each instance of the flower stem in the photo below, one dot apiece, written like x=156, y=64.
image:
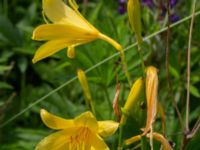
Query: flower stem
x=108, y=100
x=119, y=48
x=125, y=68
x=189, y=69
x=92, y=106
x=120, y=137
x=141, y=58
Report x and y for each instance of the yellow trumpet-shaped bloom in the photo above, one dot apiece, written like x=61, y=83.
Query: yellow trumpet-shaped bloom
x=81, y=133
x=68, y=29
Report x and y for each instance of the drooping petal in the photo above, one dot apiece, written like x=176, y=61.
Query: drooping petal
x=62, y=31
x=55, y=122
x=49, y=48
x=62, y=13
x=107, y=128
x=98, y=143
x=56, y=141
x=161, y=138
x=132, y=139
x=87, y=120
x=151, y=96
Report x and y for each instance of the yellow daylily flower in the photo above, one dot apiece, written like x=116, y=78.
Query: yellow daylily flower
x=69, y=29
x=81, y=133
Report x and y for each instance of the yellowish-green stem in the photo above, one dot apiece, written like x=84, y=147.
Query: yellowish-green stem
x=119, y=48
x=141, y=58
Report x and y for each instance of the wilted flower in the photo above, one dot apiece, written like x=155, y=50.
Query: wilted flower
x=69, y=29
x=81, y=133
x=151, y=96
x=157, y=136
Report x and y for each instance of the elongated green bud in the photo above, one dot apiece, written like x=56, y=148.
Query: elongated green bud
x=134, y=15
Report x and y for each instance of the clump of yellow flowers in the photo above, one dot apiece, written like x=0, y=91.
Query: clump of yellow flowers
x=81, y=133
x=68, y=29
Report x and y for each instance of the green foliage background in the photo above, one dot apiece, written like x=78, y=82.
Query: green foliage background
x=23, y=83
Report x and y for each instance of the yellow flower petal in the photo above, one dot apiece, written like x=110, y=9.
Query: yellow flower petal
x=49, y=48
x=69, y=28
x=56, y=141
x=55, y=122
x=98, y=143
x=62, y=13
x=87, y=120
x=62, y=31
x=107, y=128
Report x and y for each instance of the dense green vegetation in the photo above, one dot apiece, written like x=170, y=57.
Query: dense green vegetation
x=52, y=84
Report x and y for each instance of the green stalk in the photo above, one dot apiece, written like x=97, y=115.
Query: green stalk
x=141, y=58
x=120, y=145
x=124, y=63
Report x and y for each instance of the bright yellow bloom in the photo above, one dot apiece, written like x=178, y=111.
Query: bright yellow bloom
x=81, y=133
x=69, y=29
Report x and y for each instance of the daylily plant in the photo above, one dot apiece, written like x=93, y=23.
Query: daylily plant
x=68, y=29
x=81, y=133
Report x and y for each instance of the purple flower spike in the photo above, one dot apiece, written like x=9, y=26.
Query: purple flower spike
x=121, y=9
x=149, y=3
x=172, y=3
x=122, y=1
x=174, y=18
